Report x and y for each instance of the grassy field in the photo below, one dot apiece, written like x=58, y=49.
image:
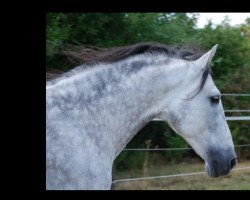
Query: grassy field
x=236, y=180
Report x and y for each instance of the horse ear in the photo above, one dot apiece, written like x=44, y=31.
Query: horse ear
x=205, y=60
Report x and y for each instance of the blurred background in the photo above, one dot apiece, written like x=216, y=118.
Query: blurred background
x=231, y=73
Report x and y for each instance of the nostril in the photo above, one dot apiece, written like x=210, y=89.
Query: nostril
x=233, y=163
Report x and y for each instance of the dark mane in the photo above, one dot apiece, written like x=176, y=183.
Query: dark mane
x=89, y=55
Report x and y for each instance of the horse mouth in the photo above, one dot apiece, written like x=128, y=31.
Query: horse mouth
x=214, y=169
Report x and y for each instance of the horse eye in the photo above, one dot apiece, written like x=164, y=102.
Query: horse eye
x=215, y=99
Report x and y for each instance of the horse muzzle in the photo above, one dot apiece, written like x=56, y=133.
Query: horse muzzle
x=220, y=163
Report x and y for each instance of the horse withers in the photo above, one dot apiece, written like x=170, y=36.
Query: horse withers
x=94, y=110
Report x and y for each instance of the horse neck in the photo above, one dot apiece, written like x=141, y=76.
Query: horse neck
x=122, y=99
x=136, y=100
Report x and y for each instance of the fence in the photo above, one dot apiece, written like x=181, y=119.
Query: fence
x=233, y=118
x=170, y=176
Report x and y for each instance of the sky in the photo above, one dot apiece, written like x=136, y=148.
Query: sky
x=217, y=18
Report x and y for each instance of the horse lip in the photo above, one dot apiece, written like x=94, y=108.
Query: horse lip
x=213, y=170
x=212, y=173
x=215, y=173
x=220, y=163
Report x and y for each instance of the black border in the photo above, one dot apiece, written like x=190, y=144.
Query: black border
x=146, y=6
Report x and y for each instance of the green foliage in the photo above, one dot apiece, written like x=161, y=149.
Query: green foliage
x=241, y=135
x=174, y=141
x=153, y=132
x=153, y=135
x=96, y=29
x=231, y=64
x=231, y=53
x=57, y=32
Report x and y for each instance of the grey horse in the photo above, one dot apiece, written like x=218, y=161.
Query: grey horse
x=94, y=110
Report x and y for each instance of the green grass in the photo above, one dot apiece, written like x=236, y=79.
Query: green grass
x=236, y=180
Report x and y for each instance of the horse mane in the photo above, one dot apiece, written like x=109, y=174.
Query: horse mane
x=91, y=56
x=83, y=54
